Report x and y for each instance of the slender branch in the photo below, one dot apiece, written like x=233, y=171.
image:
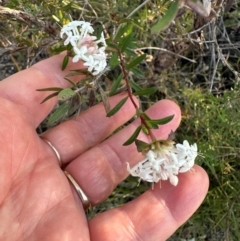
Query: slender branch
x=143, y=121
x=136, y=9
x=168, y=51
x=126, y=80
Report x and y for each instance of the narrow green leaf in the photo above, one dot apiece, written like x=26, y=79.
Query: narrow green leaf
x=65, y=62
x=126, y=42
x=137, y=72
x=135, y=86
x=50, y=89
x=115, y=85
x=114, y=61
x=125, y=30
x=58, y=113
x=133, y=136
x=78, y=72
x=152, y=125
x=141, y=145
x=145, y=116
x=70, y=81
x=49, y=97
x=111, y=45
x=66, y=94
x=130, y=52
x=117, y=107
x=166, y=20
x=136, y=61
x=147, y=91
x=145, y=130
x=162, y=121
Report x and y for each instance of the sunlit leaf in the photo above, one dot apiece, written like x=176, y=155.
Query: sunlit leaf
x=133, y=136
x=124, y=30
x=115, y=85
x=136, y=61
x=66, y=94
x=166, y=20
x=147, y=91
x=126, y=42
x=117, y=107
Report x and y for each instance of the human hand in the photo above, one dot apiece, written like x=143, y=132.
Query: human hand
x=37, y=201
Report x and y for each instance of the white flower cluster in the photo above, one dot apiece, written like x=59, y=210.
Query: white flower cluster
x=85, y=46
x=165, y=164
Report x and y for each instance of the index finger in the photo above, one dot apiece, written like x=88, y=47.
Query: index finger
x=21, y=88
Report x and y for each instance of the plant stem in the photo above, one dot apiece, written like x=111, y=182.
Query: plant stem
x=126, y=80
x=129, y=91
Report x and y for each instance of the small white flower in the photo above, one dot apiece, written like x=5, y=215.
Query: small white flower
x=165, y=163
x=85, y=46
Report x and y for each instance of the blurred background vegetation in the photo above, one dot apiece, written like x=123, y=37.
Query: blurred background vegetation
x=195, y=62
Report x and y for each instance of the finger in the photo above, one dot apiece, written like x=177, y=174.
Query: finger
x=100, y=169
x=156, y=214
x=21, y=88
x=79, y=134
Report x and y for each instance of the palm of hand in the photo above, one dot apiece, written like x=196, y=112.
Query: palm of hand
x=37, y=202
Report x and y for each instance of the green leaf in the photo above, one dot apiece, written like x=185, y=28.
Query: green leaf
x=145, y=130
x=137, y=72
x=117, y=107
x=70, y=81
x=133, y=136
x=136, y=61
x=115, y=85
x=151, y=125
x=147, y=91
x=111, y=45
x=65, y=62
x=131, y=53
x=166, y=20
x=58, y=113
x=50, y=89
x=162, y=121
x=145, y=116
x=66, y=94
x=114, y=61
x=126, y=42
x=135, y=86
x=49, y=97
x=125, y=30
x=78, y=72
x=141, y=145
